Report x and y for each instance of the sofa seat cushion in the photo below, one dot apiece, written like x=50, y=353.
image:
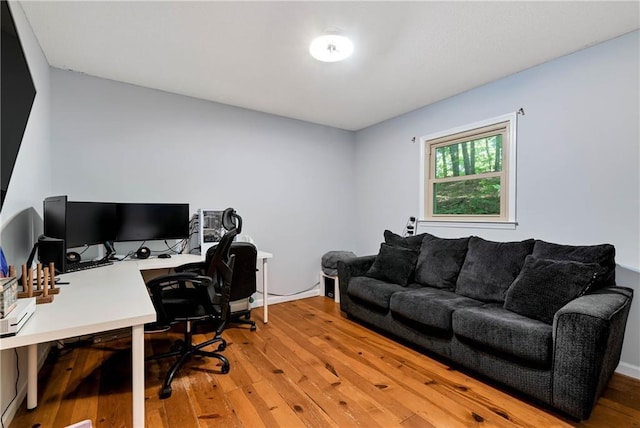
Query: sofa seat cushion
x=373, y=291
x=432, y=307
x=490, y=267
x=515, y=336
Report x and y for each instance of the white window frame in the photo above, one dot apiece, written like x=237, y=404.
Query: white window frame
x=509, y=165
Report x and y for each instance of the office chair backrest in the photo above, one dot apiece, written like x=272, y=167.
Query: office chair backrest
x=231, y=220
x=218, y=257
x=243, y=282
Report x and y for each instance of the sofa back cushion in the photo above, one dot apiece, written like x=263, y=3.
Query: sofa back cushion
x=413, y=242
x=440, y=261
x=490, y=267
x=603, y=254
x=544, y=286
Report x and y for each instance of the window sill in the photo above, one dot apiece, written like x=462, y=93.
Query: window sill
x=509, y=225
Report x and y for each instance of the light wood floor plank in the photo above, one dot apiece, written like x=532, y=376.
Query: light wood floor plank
x=309, y=367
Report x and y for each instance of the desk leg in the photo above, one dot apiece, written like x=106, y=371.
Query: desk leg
x=265, y=291
x=32, y=376
x=137, y=374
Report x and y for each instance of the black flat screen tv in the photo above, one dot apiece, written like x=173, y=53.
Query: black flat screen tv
x=151, y=222
x=17, y=93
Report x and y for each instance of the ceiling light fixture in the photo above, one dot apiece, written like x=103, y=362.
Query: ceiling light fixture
x=331, y=48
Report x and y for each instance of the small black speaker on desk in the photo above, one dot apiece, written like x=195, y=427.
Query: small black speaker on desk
x=52, y=250
x=73, y=257
x=143, y=253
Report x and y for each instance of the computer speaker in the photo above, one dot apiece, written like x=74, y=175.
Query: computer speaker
x=73, y=257
x=143, y=253
x=52, y=250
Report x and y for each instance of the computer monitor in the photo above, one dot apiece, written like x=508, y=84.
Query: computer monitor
x=150, y=221
x=55, y=217
x=79, y=223
x=90, y=223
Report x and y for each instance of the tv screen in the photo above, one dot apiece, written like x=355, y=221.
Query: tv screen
x=150, y=222
x=90, y=223
x=16, y=97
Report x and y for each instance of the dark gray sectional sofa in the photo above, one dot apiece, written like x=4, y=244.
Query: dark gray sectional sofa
x=545, y=319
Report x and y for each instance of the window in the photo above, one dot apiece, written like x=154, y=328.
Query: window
x=468, y=173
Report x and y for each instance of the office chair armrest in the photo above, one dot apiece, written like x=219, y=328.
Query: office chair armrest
x=175, y=278
x=190, y=267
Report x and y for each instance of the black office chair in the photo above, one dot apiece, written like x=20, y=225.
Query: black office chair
x=193, y=299
x=243, y=282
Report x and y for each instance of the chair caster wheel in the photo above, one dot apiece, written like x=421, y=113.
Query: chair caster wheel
x=224, y=369
x=177, y=346
x=222, y=346
x=165, y=393
x=253, y=328
x=248, y=316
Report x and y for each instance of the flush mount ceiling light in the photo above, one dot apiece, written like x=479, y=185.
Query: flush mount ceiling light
x=331, y=48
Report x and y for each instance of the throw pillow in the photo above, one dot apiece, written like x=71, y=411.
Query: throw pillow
x=544, y=286
x=393, y=264
x=412, y=242
x=604, y=255
x=490, y=267
x=440, y=261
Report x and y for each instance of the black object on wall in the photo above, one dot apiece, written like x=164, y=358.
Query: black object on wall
x=16, y=96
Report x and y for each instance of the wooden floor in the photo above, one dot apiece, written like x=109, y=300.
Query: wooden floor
x=309, y=366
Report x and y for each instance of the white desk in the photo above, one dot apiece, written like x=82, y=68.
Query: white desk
x=97, y=300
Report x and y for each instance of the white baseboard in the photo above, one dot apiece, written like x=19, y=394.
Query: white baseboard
x=628, y=370
x=22, y=384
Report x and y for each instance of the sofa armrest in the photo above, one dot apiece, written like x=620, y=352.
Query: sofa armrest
x=346, y=270
x=587, y=334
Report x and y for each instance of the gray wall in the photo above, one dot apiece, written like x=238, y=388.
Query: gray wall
x=20, y=219
x=578, y=159
x=291, y=181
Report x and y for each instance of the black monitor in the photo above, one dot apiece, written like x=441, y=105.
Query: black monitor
x=90, y=223
x=79, y=223
x=55, y=217
x=150, y=222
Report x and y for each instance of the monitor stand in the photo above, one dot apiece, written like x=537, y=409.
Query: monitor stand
x=111, y=251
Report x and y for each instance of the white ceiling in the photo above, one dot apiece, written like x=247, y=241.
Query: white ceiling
x=255, y=54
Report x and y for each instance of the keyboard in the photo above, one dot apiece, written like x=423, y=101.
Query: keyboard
x=88, y=264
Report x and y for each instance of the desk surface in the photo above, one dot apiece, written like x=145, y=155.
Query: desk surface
x=179, y=259
x=96, y=300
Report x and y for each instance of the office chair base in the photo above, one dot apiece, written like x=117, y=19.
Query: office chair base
x=165, y=392
x=243, y=318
